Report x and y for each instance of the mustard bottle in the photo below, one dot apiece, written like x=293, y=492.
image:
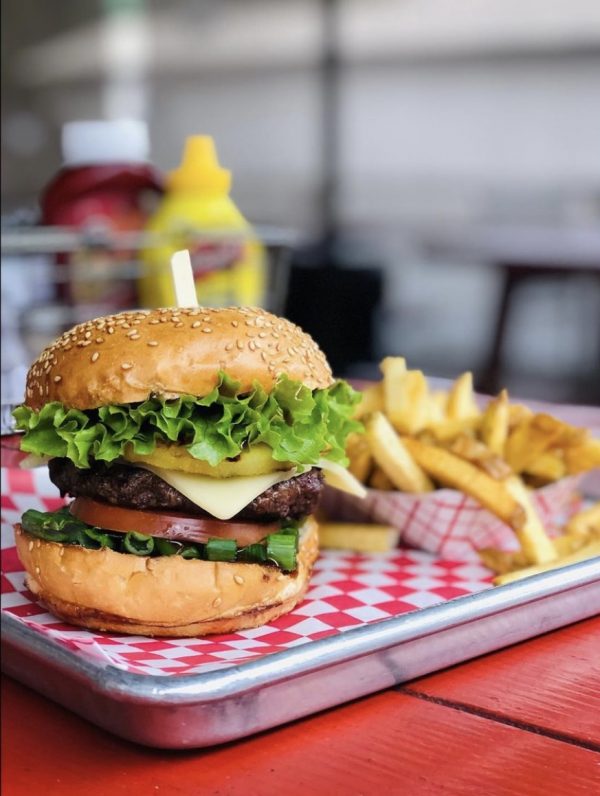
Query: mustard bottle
x=198, y=214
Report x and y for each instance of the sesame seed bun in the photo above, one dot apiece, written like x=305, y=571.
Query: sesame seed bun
x=125, y=358
x=164, y=596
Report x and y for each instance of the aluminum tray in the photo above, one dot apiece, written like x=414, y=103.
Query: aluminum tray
x=205, y=709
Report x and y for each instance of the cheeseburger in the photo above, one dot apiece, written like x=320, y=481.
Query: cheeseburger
x=194, y=444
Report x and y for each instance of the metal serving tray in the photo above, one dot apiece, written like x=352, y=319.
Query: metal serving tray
x=200, y=710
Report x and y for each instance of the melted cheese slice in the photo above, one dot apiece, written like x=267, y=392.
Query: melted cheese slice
x=338, y=477
x=221, y=497
x=226, y=497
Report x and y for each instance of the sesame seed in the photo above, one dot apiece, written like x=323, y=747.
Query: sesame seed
x=57, y=379
x=229, y=346
x=87, y=335
x=61, y=552
x=95, y=356
x=132, y=333
x=153, y=342
x=37, y=570
x=252, y=345
x=126, y=366
x=235, y=324
x=196, y=324
x=178, y=325
x=217, y=602
x=134, y=336
x=262, y=334
x=99, y=340
x=110, y=330
x=263, y=356
x=207, y=330
x=238, y=579
x=30, y=546
x=239, y=344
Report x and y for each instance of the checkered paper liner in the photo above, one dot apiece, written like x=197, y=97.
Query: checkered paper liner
x=448, y=523
x=346, y=591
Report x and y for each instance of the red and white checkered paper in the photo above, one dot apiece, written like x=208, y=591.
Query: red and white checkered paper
x=347, y=590
x=447, y=522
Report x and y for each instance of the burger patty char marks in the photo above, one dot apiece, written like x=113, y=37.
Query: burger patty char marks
x=136, y=488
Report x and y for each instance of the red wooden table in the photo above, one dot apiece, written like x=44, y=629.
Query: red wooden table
x=523, y=721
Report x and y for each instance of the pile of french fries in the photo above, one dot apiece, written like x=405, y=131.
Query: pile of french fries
x=417, y=440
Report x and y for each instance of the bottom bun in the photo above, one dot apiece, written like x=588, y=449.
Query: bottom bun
x=164, y=596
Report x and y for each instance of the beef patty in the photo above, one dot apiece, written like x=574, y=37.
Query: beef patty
x=136, y=488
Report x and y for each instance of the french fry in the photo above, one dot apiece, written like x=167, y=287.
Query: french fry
x=534, y=541
x=502, y=561
x=481, y=456
x=550, y=466
x=569, y=543
x=359, y=453
x=583, y=457
x=416, y=438
x=357, y=537
x=461, y=402
x=437, y=407
x=533, y=437
x=590, y=550
x=371, y=401
x=380, y=480
x=494, y=424
x=449, y=429
x=391, y=455
x=585, y=522
x=517, y=414
x=405, y=394
x=455, y=472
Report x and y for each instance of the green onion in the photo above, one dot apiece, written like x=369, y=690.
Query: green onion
x=221, y=549
x=138, y=543
x=281, y=548
x=190, y=551
x=61, y=526
x=166, y=548
x=255, y=553
x=100, y=538
x=49, y=526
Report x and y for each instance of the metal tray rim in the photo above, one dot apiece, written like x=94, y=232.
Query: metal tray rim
x=312, y=656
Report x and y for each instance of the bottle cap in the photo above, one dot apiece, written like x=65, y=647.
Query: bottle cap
x=114, y=141
x=200, y=169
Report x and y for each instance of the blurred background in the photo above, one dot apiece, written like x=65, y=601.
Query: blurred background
x=424, y=175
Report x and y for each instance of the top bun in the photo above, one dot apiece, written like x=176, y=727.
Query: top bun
x=126, y=358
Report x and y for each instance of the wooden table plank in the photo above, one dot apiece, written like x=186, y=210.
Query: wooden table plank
x=552, y=682
x=387, y=743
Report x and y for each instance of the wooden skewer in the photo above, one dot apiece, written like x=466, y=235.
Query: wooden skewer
x=183, y=279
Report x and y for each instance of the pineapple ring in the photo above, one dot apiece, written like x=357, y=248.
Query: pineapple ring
x=258, y=460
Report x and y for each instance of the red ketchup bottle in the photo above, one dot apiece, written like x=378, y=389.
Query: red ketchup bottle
x=105, y=185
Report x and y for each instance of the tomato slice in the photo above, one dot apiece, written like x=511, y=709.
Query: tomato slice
x=176, y=527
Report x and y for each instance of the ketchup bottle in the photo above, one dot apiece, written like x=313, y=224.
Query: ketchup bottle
x=105, y=185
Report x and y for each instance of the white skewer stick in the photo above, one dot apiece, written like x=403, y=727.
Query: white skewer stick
x=183, y=279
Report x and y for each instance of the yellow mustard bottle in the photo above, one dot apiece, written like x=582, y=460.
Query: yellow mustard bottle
x=197, y=213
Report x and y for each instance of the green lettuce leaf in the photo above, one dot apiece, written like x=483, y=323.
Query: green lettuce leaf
x=299, y=425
